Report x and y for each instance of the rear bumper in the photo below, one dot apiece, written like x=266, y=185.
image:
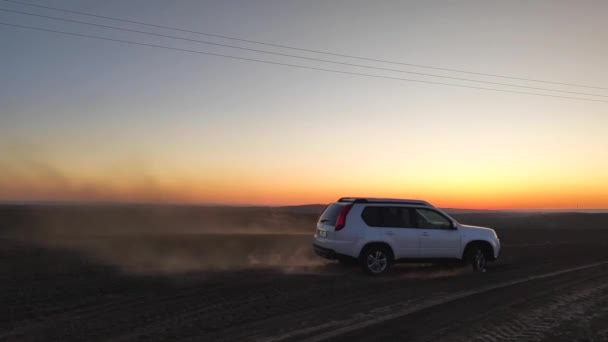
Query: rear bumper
x=331, y=248
x=323, y=252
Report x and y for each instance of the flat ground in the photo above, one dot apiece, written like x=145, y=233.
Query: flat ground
x=69, y=282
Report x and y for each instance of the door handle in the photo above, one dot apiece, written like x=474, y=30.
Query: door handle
x=425, y=234
x=389, y=233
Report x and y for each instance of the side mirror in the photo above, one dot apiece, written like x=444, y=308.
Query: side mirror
x=454, y=225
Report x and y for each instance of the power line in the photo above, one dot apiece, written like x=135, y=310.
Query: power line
x=300, y=57
x=303, y=49
x=295, y=65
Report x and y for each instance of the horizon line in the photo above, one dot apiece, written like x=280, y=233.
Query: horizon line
x=244, y=205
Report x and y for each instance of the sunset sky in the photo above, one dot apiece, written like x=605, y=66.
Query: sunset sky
x=85, y=119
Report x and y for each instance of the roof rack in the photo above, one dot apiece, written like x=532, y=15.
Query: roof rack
x=384, y=201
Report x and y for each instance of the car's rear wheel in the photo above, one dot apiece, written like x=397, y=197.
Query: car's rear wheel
x=376, y=260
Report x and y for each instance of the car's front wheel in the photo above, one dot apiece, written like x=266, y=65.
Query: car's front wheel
x=376, y=260
x=478, y=259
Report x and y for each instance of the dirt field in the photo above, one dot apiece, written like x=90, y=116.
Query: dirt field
x=67, y=277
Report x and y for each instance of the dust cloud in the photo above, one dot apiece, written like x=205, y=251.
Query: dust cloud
x=162, y=239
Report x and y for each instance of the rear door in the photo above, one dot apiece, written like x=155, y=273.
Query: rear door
x=438, y=239
x=393, y=224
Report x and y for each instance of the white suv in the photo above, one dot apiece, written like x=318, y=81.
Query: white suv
x=377, y=232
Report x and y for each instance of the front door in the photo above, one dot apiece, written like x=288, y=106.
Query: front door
x=438, y=238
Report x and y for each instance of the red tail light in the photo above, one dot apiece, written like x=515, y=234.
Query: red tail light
x=341, y=220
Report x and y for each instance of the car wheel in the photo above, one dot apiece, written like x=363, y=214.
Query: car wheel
x=478, y=259
x=376, y=260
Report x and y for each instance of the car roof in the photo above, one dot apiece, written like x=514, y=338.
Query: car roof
x=373, y=200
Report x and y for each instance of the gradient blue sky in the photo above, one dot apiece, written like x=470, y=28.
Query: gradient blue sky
x=89, y=119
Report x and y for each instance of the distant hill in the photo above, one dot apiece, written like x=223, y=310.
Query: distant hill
x=89, y=220
x=304, y=209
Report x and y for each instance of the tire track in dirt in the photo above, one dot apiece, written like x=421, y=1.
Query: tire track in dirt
x=392, y=295
x=288, y=301
x=592, y=325
x=350, y=325
x=534, y=325
x=301, y=308
x=136, y=309
x=237, y=306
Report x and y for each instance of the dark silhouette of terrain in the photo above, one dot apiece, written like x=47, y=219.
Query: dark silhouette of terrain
x=152, y=272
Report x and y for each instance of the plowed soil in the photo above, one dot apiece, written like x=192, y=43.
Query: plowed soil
x=549, y=285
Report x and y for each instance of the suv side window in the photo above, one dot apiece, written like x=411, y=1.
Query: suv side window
x=431, y=219
x=387, y=216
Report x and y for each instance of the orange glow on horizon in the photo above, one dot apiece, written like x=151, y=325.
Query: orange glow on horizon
x=444, y=194
x=449, y=183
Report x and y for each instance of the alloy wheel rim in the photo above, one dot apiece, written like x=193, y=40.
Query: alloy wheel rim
x=480, y=260
x=377, y=261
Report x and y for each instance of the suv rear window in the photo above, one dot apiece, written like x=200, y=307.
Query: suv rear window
x=330, y=214
x=389, y=216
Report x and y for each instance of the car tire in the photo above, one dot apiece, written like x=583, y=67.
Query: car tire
x=376, y=260
x=478, y=259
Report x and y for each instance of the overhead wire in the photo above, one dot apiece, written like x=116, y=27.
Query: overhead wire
x=299, y=57
x=294, y=65
x=302, y=49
